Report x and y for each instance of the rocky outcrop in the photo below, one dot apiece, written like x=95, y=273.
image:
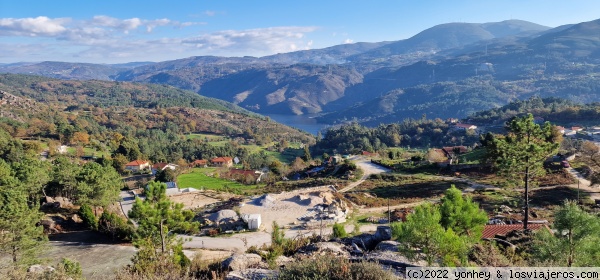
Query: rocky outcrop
x=323, y=248
x=252, y=274
x=241, y=262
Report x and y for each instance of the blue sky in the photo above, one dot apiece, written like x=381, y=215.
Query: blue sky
x=111, y=31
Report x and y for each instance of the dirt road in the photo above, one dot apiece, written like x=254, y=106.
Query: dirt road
x=367, y=167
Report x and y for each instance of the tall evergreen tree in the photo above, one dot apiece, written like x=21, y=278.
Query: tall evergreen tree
x=521, y=153
x=20, y=235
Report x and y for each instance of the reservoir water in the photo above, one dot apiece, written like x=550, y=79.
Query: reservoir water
x=303, y=122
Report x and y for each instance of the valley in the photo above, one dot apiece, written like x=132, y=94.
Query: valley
x=464, y=145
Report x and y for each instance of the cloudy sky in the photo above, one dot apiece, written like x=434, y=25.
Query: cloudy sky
x=111, y=31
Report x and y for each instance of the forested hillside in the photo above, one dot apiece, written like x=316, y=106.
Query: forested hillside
x=140, y=121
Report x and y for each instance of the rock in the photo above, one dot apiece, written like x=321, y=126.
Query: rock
x=48, y=223
x=252, y=274
x=365, y=241
x=64, y=202
x=393, y=259
x=283, y=261
x=356, y=250
x=387, y=246
x=38, y=269
x=383, y=233
x=241, y=261
x=76, y=219
x=328, y=247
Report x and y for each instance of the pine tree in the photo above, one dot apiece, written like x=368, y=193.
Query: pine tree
x=462, y=215
x=20, y=235
x=521, y=153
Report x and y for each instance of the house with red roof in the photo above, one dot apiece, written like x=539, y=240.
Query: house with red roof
x=222, y=161
x=243, y=175
x=137, y=165
x=199, y=163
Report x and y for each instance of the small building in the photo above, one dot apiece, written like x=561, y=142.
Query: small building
x=465, y=126
x=199, y=163
x=222, y=161
x=162, y=166
x=577, y=128
x=560, y=129
x=172, y=188
x=137, y=165
x=253, y=221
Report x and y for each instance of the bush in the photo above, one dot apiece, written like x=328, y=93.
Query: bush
x=88, y=217
x=339, y=231
x=334, y=268
x=116, y=226
x=71, y=268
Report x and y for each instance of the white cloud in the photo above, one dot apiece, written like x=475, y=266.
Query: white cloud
x=33, y=27
x=348, y=41
x=210, y=13
x=105, y=39
x=265, y=40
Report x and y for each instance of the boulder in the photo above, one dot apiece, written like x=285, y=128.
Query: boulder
x=39, y=269
x=241, y=261
x=387, y=246
x=64, y=202
x=76, y=219
x=252, y=274
x=283, y=261
x=383, y=233
x=328, y=248
x=393, y=259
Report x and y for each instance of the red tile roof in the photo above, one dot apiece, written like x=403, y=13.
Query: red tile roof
x=221, y=159
x=159, y=165
x=490, y=231
x=137, y=163
x=199, y=162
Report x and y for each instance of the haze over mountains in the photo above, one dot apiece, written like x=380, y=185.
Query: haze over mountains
x=449, y=70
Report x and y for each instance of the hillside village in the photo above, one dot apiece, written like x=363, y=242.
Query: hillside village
x=466, y=145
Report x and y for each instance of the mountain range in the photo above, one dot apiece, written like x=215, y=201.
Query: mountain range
x=449, y=70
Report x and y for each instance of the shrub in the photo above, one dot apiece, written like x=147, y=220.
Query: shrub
x=334, y=268
x=88, y=217
x=116, y=226
x=71, y=268
x=339, y=231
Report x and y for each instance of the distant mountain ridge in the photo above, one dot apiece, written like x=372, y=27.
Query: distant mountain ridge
x=451, y=69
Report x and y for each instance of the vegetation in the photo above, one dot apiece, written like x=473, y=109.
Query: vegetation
x=520, y=154
x=334, y=268
x=423, y=237
x=462, y=215
x=354, y=138
x=156, y=217
x=575, y=242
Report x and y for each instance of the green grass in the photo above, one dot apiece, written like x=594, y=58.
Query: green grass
x=472, y=157
x=199, y=178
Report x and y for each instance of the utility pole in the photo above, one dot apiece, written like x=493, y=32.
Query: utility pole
x=389, y=213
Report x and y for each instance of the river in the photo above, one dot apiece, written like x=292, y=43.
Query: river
x=304, y=122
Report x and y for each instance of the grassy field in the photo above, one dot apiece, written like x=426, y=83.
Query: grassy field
x=201, y=178
x=472, y=157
